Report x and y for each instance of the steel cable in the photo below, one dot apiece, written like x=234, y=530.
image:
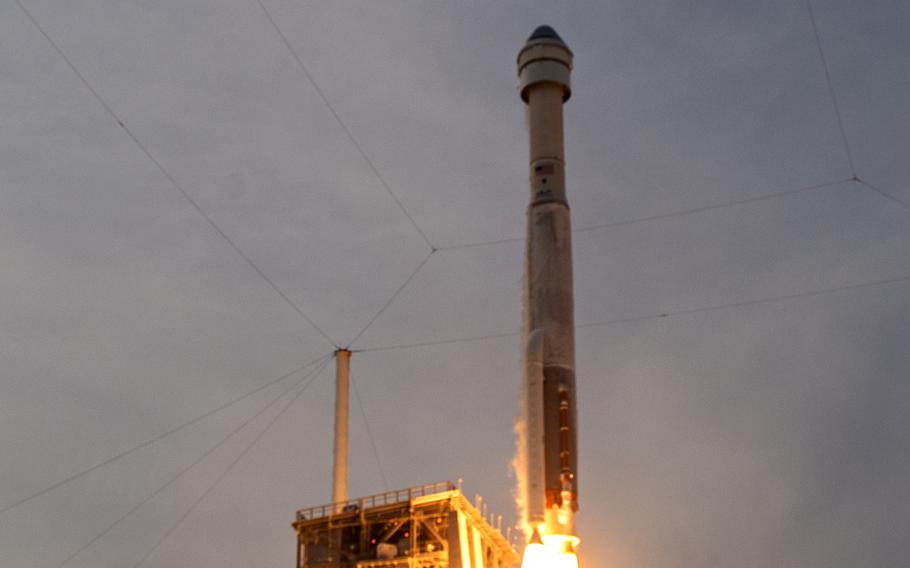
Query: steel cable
x=229, y=468
x=154, y=439
x=176, y=477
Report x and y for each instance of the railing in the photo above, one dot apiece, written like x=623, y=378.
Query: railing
x=420, y=559
x=387, y=498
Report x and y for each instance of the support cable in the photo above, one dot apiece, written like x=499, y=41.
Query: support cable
x=702, y=209
x=768, y=300
x=840, y=120
x=883, y=193
x=824, y=60
x=685, y=212
x=344, y=127
x=385, y=481
x=469, y=339
x=392, y=298
x=157, y=438
x=176, y=477
x=672, y=214
x=142, y=147
x=231, y=466
x=661, y=315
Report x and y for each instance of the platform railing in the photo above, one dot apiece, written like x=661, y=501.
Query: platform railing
x=387, y=498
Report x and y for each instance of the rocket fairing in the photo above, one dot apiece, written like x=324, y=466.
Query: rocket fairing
x=544, y=65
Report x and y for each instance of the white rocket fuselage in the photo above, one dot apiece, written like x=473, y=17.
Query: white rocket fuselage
x=544, y=65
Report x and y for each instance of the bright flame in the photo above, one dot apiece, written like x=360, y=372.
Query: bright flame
x=566, y=560
x=556, y=551
x=536, y=556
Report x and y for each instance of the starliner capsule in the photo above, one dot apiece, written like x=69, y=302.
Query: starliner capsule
x=551, y=447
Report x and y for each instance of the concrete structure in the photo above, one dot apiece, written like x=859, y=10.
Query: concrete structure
x=544, y=66
x=431, y=526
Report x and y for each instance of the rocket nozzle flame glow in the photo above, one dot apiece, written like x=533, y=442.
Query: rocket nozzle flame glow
x=550, y=551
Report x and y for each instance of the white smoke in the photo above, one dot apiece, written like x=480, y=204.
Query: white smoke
x=520, y=460
x=519, y=470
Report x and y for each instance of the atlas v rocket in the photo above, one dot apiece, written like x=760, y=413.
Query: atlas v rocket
x=544, y=65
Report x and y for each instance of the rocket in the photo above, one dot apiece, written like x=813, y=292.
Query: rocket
x=548, y=333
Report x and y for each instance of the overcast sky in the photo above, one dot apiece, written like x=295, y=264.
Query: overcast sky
x=764, y=433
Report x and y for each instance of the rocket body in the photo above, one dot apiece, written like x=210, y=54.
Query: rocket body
x=544, y=65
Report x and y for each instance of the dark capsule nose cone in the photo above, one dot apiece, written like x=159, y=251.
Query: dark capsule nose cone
x=545, y=32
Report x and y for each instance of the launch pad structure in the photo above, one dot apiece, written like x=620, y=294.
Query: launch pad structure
x=428, y=526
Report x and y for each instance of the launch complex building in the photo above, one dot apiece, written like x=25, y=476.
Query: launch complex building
x=435, y=526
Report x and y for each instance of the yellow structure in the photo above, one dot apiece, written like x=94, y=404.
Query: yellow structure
x=429, y=526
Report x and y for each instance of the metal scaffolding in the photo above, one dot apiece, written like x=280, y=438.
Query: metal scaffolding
x=428, y=526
